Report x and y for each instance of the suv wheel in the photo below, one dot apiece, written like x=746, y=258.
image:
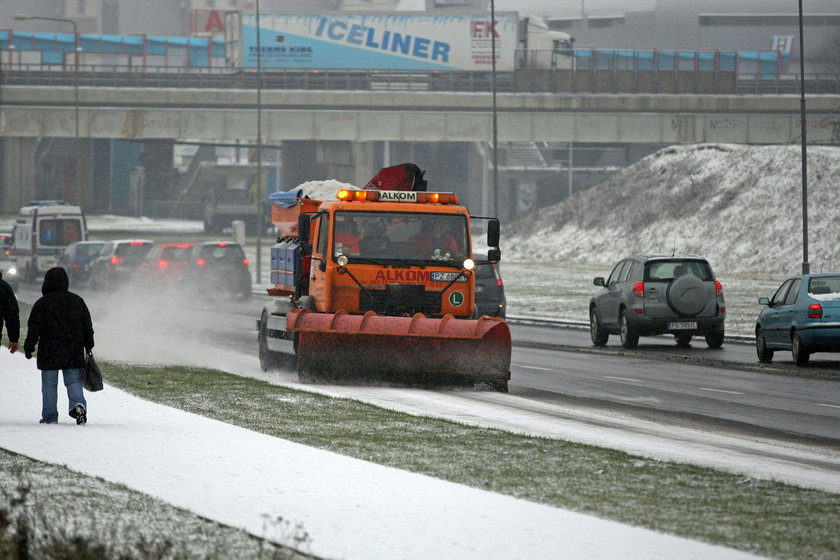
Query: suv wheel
x=800, y=352
x=765, y=355
x=683, y=340
x=629, y=336
x=715, y=338
x=599, y=334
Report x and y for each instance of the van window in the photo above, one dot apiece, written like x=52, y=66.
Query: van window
x=59, y=232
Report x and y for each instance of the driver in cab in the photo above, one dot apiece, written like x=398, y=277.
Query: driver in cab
x=436, y=241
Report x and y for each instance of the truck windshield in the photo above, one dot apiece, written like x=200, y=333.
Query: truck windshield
x=423, y=238
x=59, y=232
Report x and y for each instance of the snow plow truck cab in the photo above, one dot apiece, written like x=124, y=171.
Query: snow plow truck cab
x=377, y=284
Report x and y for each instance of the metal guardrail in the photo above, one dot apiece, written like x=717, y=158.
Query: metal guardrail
x=584, y=325
x=574, y=80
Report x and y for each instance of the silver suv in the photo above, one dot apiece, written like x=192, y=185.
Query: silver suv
x=648, y=295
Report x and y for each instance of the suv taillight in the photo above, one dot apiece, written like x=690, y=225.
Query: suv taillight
x=718, y=289
x=639, y=289
x=815, y=311
x=115, y=260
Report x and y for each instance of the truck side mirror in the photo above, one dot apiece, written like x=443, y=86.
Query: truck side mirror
x=494, y=255
x=303, y=228
x=493, y=233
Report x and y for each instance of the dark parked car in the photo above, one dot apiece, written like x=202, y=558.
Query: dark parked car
x=649, y=295
x=489, y=289
x=6, y=241
x=219, y=267
x=78, y=259
x=165, y=264
x=118, y=261
x=803, y=316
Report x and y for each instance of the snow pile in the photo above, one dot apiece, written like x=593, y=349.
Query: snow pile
x=111, y=222
x=739, y=206
x=323, y=190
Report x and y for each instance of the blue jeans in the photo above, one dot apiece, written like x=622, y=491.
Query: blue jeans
x=49, y=392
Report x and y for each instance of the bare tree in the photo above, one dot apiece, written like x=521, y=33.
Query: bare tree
x=827, y=59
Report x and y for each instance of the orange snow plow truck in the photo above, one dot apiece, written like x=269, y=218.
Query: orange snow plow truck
x=377, y=284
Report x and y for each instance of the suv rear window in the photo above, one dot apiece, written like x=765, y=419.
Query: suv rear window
x=176, y=253
x=665, y=271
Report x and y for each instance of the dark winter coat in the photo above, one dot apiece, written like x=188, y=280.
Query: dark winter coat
x=9, y=313
x=59, y=324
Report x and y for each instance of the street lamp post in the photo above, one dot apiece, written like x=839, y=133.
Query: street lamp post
x=259, y=152
x=495, y=116
x=805, y=264
x=76, y=48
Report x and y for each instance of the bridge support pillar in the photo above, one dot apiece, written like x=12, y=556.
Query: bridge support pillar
x=17, y=173
x=345, y=161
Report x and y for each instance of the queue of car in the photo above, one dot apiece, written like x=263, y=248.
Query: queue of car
x=212, y=267
x=678, y=295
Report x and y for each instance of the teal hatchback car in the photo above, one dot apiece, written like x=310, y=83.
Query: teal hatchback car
x=803, y=316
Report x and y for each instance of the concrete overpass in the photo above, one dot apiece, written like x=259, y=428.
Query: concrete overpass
x=362, y=117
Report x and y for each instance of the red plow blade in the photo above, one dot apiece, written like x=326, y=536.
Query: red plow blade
x=343, y=347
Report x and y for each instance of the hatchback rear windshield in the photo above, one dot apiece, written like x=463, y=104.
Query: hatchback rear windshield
x=665, y=271
x=89, y=249
x=826, y=286
x=223, y=253
x=176, y=253
x=133, y=252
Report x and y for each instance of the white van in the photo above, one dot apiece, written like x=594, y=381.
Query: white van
x=43, y=229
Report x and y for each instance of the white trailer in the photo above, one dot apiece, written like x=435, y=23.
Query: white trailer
x=404, y=41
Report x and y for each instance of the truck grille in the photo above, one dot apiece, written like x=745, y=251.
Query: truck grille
x=399, y=300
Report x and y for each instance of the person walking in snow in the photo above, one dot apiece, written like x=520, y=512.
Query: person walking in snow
x=9, y=314
x=60, y=326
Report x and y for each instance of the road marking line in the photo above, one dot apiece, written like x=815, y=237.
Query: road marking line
x=721, y=391
x=622, y=378
x=538, y=368
x=828, y=405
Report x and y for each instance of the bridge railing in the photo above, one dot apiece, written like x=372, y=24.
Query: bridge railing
x=575, y=80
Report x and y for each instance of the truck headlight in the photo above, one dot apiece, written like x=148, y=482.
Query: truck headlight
x=469, y=264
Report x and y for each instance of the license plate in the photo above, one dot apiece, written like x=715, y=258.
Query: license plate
x=447, y=277
x=682, y=325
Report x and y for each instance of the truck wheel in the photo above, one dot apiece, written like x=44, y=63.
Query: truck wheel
x=629, y=336
x=268, y=359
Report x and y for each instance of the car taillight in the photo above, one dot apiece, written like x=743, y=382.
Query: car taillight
x=718, y=289
x=815, y=311
x=115, y=260
x=639, y=289
x=163, y=264
x=246, y=262
x=200, y=262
